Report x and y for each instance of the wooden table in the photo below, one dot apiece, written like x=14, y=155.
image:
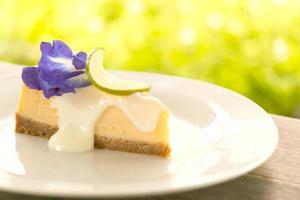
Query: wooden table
x=278, y=178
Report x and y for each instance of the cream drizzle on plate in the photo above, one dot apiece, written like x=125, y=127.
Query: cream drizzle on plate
x=78, y=114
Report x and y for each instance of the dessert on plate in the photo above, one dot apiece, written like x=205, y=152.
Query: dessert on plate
x=72, y=100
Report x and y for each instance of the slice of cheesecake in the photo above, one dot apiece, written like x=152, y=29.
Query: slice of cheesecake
x=114, y=129
x=72, y=100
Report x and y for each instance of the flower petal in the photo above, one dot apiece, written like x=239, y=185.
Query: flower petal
x=57, y=76
x=30, y=77
x=46, y=48
x=50, y=64
x=61, y=49
x=57, y=89
x=79, y=60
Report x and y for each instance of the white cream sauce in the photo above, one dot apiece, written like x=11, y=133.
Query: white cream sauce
x=78, y=114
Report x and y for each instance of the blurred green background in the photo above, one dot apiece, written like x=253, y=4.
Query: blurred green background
x=252, y=47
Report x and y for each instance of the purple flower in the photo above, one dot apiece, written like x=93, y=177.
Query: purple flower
x=79, y=60
x=58, y=70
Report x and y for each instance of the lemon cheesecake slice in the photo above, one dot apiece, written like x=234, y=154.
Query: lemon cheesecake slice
x=58, y=101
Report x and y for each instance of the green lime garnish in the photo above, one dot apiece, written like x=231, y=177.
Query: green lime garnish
x=106, y=82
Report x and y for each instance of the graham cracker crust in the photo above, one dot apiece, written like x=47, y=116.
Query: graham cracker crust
x=118, y=144
x=28, y=126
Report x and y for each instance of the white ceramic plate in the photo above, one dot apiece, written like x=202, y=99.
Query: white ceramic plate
x=216, y=135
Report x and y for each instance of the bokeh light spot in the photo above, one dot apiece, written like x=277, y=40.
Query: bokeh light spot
x=187, y=35
x=280, y=49
x=214, y=21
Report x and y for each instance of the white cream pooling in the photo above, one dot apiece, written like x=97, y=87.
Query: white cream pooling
x=78, y=114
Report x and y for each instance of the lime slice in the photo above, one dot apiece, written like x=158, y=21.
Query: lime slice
x=106, y=82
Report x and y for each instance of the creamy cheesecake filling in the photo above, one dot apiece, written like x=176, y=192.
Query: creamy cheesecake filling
x=78, y=114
